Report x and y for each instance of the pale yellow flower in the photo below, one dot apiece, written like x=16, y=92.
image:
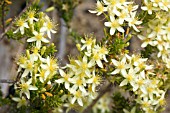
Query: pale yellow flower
x=21, y=23
x=48, y=27
x=25, y=86
x=21, y=101
x=114, y=25
x=38, y=38
x=99, y=8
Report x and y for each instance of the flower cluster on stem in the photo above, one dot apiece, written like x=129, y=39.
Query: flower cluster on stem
x=142, y=80
x=80, y=77
x=34, y=68
x=120, y=13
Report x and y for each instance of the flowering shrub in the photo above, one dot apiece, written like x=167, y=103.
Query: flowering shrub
x=43, y=85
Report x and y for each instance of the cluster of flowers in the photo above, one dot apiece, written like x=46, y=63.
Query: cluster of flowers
x=121, y=13
x=157, y=34
x=144, y=83
x=155, y=5
x=80, y=77
x=34, y=67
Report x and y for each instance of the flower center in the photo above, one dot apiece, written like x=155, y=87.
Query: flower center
x=20, y=23
x=38, y=37
x=24, y=86
x=49, y=25
x=79, y=82
x=115, y=24
x=129, y=77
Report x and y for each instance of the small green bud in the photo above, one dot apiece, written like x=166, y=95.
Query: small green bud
x=43, y=90
x=52, y=44
x=61, y=91
x=41, y=14
x=78, y=47
x=28, y=54
x=50, y=9
x=43, y=50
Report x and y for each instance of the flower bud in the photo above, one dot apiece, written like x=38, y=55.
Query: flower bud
x=78, y=47
x=43, y=50
x=28, y=54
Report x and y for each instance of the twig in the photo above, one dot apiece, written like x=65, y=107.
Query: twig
x=107, y=89
x=12, y=23
x=3, y=17
x=7, y=81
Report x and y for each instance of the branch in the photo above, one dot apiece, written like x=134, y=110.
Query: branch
x=3, y=17
x=7, y=81
x=12, y=23
x=105, y=90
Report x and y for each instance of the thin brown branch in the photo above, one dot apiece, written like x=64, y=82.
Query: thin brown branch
x=12, y=23
x=7, y=81
x=104, y=91
x=3, y=17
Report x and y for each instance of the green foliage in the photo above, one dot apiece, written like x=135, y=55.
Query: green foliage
x=146, y=53
x=66, y=8
x=50, y=50
x=120, y=103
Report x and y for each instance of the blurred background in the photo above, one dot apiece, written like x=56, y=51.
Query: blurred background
x=73, y=19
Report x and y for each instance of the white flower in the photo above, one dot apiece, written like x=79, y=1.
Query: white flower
x=95, y=81
x=150, y=88
x=167, y=61
x=130, y=8
x=41, y=75
x=122, y=16
x=48, y=27
x=101, y=51
x=141, y=65
x=91, y=93
x=25, y=87
x=167, y=30
x=35, y=55
x=148, y=7
x=77, y=96
x=164, y=54
x=115, y=25
x=96, y=58
x=87, y=43
x=21, y=101
x=28, y=66
x=99, y=8
x=21, y=24
x=79, y=83
x=161, y=101
x=31, y=16
x=160, y=43
x=146, y=40
x=139, y=81
x=38, y=38
x=50, y=66
x=132, y=21
x=121, y=66
x=165, y=5
x=156, y=3
x=84, y=66
x=146, y=104
x=156, y=29
x=65, y=78
x=129, y=77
